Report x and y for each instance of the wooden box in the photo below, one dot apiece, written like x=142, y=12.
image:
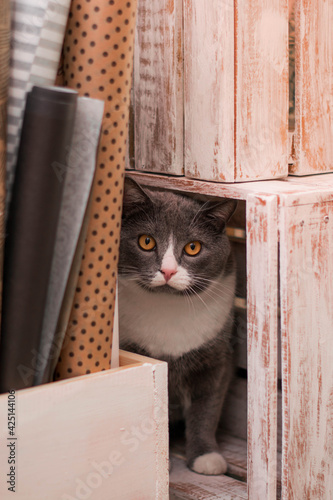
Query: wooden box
x=100, y=436
x=284, y=447
x=211, y=89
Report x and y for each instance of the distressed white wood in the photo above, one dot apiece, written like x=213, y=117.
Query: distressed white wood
x=262, y=328
x=313, y=87
x=98, y=436
x=295, y=192
x=209, y=89
x=186, y=485
x=306, y=250
x=236, y=89
x=261, y=89
x=158, y=87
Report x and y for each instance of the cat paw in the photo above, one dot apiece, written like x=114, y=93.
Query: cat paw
x=210, y=464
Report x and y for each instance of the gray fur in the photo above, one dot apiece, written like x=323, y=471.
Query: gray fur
x=199, y=378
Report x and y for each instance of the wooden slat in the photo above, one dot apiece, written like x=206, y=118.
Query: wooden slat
x=261, y=91
x=313, y=87
x=296, y=192
x=209, y=89
x=236, y=89
x=262, y=284
x=306, y=250
x=158, y=87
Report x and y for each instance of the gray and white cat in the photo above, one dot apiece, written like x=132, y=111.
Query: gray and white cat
x=177, y=281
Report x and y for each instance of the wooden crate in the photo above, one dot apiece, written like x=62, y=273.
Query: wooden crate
x=289, y=263
x=211, y=89
x=158, y=87
x=312, y=140
x=99, y=436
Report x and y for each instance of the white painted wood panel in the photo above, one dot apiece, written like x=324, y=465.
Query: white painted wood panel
x=261, y=89
x=294, y=192
x=236, y=89
x=306, y=249
x=158, y=87
x=262, y=328
x=98, y=436
x=313, y=141
x=209, y=89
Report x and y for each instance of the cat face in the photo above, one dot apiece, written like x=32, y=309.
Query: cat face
x=172, y=243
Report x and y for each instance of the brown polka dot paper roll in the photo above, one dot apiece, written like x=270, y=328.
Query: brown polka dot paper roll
x=98, y=60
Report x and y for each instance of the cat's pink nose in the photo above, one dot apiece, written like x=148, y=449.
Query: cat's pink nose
x=168, y=273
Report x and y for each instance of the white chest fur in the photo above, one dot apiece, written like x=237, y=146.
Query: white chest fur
x=168, y=324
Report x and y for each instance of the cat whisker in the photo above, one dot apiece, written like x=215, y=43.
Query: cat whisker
x=195, y=293
x=212, y=295
x=190, y=301
x=216, y=284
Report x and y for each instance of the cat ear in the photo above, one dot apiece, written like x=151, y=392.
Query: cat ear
x=134, y=194
x=219, y=212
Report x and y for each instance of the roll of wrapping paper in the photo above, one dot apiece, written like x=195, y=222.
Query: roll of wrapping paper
x=31, y=230
x=4, y=75
x=98, y=59
x=79, y=170
x=38, y=28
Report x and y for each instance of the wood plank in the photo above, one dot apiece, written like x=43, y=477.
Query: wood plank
x=161, y=419
x=236, y=89
x=130, y=358
x=298, y=192
x=209, y=89
x=262, y=327
x=75, y=442
x=313, y=87
x=261, y=91
x=158, y=87
x=306, y=251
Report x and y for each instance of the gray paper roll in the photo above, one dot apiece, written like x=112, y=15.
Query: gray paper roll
x=37, y=35
x=77, y=184
x=31, y=230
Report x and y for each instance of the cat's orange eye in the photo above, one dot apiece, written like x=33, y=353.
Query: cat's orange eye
x=192, y=248
x=147, y=242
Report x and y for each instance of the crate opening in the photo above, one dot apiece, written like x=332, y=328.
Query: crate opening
x=232, y=430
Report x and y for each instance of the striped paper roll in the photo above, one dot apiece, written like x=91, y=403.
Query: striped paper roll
x=79, y=170
x=38, y=28
x=98, y=59
x=31, y=230
x=4, y=75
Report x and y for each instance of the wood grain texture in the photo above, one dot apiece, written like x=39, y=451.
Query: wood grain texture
x=158, y=87
x=306, y=249
x=261, y=89
x=300, y=191
x=209, y=89
x=187, y=485
x=314, y=87
x=262, y=328
x=75, y=442
x=236, y=89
